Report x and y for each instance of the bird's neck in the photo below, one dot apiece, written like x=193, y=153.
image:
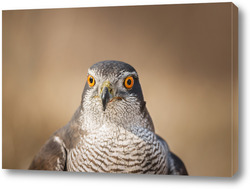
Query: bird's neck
x=113, y=117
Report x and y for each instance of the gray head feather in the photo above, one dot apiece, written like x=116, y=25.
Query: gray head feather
x=121, y=106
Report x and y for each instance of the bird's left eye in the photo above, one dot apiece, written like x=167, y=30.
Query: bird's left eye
x=129, y=82
x=91, y=81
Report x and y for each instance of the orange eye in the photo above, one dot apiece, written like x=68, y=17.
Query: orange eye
x=129, y=82
x=91, y=81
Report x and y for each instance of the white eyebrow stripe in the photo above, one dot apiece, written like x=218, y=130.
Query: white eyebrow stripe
x=129, y=73
x=92, y=72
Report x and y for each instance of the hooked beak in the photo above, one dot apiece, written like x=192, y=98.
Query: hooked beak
x=106, y=94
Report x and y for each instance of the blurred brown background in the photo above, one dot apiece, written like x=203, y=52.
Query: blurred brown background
x=181, y=52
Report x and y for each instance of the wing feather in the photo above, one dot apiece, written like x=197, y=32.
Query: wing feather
x=52, y=156
x=175, y=164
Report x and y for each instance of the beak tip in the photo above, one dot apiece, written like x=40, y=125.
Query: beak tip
x=105, y=96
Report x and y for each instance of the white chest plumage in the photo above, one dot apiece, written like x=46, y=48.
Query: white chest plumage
x=118, y=150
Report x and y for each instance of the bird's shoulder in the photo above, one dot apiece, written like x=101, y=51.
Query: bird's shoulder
x=175, y=164
x=53, y=154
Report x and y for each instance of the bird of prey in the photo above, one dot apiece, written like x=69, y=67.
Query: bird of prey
x=111, y=131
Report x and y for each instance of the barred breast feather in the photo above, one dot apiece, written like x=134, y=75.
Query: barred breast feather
x=118, y=150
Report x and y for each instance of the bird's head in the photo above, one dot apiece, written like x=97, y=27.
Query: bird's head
x=112, y=88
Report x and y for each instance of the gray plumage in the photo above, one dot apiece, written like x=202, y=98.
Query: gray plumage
x=111, y=131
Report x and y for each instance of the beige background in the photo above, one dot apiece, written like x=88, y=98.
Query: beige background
x=181, y=52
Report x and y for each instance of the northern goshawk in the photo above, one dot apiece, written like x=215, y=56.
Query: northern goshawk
x=111, y=131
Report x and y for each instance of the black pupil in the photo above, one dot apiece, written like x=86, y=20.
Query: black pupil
x=91, y=79
x=129, y=81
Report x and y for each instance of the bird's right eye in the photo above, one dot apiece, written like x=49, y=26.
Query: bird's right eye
x=91, y=81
